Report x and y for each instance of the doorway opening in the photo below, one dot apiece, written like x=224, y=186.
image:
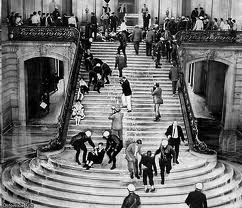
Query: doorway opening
x=44, y=89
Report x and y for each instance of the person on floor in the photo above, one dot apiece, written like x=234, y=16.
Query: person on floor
x=133, y=151
x=78, y=142
x=122, y=38
x=136, y=38
x=197, y=199
x=120, y=63
x=157, y=99
x=175, y=134
x=132, y=200
x=126, y=96
x=117, y=121
x=174, y=77
x=78, y=112
x=150, y=39
x=147, y=164
x=113, y=146
x=106, y=71
x=95, y=157
x=166, y=154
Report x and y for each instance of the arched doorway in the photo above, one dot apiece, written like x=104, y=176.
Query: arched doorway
x=207, y=86
x=44, y=88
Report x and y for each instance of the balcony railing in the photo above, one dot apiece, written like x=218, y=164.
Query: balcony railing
x=27, y=33
x=209, y=36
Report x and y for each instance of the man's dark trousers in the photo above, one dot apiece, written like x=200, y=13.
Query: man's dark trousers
x=84, y=149
x=148, y=48
x=136, y=47
x=174, y=84
x=148, y=173
x=164, y=165
x=174, y=142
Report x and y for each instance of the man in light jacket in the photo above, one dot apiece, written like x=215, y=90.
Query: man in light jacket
x=157, y=99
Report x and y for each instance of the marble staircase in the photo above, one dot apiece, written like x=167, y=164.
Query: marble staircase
x=59, y=182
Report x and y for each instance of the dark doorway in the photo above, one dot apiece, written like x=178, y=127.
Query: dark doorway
x=43, y=75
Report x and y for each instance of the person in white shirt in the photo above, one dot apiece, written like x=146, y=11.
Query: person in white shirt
x=18, y=20
x=226, y=26
x=221, y=25
x=72, y=21
x=35, y=19
x=199, y=24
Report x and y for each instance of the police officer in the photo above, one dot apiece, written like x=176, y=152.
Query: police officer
x=166, y=154
x=113, y=147
x=78, y=142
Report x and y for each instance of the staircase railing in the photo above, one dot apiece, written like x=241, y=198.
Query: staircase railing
x=61, y=34
x=194, y=142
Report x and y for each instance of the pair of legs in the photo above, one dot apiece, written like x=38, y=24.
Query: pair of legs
x=147, y=173
x=174, y=86
x=78, y=119
x=136, y=47
x=84, y=149
x=92, y=159
x=123, y=48
x=175, y=143
x=105, y=76
x=133, y=168
x=157, y=112
x=112, y=153
x=148, y=48
x=126, y=101
x=120, y=70
x=158, y=57
x=164, y=166
x=118, y=132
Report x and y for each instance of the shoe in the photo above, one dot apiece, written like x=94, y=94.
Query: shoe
x=156, y=119
x=124, y=106
x=159, y=116
x=162, y=182
x=84, y=166
x=98, y=91
x=147, y=190
x=78, y=163
x=113, y=167
x=110, y=160
x=132, y=175
x=177, y=162
x=158, y=67
x=137, y=176
x=88, y=167
x=107, y=82
x=152, y=190
x=129, y=111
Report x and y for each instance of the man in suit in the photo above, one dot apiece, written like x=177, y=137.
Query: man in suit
x=174, y=76
x=194, y=15
x=147, y=164
x=157, y=99
x=132, y=152
x=132, y=200
x=174, y=134
x=197, y=199
x=117, y=121
x=113, y=146
x=123, y=43
x=78, y=142
x=166, y=154
x=150, y=39
x=94, y=25
x=120, y=63
x=136, y=38
x=127, y=92
x=113, y=22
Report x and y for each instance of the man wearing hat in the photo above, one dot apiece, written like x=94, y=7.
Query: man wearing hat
x=78, y=142
x=132, y=152
x=113, y=22
x=197, y=199
x=117, y=122
x=166, y=154
x=113, y=146
x=132, y=200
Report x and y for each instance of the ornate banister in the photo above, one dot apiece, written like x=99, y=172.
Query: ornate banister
x=38, y=33
x=209, y=36
x=194, y=142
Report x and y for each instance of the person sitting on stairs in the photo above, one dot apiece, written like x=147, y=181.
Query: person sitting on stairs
x=113, y=146
x=95, y=157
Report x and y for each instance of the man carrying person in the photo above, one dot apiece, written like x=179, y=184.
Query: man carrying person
x=113, y=146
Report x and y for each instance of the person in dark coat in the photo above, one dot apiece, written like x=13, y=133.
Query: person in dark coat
x=136, y=38
x=132, y=200
x=197, y=199
x=166, y=154
x=172, y=26
x=120, y=63
x=113, y=146
x=202, y=12
x=157, y=98
x=194, y=15
x=127, y=92
x=146, y=21
x=174, y=134
x=174, y=77
x=106, y=71
x=122, y=38
x=78, y=142
x=113, y=22
x=147, y=164
x=150, y=39
x=93, y=25
x=159, y=50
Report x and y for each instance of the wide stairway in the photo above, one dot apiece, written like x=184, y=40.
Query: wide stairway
x=60, y=182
